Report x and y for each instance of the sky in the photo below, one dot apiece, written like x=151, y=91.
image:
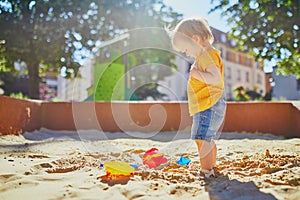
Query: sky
x=201, y=8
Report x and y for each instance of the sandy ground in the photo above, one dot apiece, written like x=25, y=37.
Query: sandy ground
x=65, y=165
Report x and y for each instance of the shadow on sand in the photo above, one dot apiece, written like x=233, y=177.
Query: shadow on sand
x=224, y=188
x=111, y=181
x=94, y=135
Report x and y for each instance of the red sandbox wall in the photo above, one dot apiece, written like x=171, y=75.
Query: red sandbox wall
x=18, y=116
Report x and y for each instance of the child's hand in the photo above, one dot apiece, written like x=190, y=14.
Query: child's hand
x=193, y=67
x=194, y=71
x=211, y=75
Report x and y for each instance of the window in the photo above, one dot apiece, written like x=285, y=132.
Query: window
x=250, y=62
x=229, y=92
x=298, y=84
x=258, y=79
x=237, y=58
x=247, y=61
x=228, y=73
x=238, y=75
x=222, y=52
x=233, y=56
x=258, y=66
x=240, y=59
x=232, y=42
x=247, y=77
x=228, y=55
x=223, y=38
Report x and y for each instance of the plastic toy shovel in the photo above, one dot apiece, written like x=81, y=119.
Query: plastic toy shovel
x=152, y=158
x=183, y=161
x=118, y=168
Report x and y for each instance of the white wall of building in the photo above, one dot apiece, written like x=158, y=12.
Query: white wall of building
x=76, y=89
x=175, y=86
x=238, y=75
x=286, y=87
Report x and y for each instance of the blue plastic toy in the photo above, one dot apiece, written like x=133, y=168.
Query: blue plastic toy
x=183, y=161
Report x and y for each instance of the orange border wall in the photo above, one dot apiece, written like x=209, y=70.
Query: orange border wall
x=280, y=118
x=116, y=116
x=18, y=116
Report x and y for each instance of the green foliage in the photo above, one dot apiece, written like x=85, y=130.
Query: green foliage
x=13, y=83
x=18, y=95
x=2, y=58
x=268, y=96
x=52, y=35
x=241, y=94
x=253, y=95
x=144, y=70
x=149, y=90
x=153, y=65
x=109, y=82
x=56, y=100
x=268, y=28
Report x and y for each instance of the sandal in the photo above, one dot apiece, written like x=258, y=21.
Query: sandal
x=208, y=173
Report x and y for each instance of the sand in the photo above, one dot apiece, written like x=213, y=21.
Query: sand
x=48, y=164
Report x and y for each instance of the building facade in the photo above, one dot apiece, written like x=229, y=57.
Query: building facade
x=285, y=87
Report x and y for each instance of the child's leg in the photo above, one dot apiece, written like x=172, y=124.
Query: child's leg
x=207, y=153
x=214, y=153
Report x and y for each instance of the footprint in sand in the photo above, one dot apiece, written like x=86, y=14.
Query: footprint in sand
x=58, y=166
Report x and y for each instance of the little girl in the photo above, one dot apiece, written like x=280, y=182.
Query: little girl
x=205, y=87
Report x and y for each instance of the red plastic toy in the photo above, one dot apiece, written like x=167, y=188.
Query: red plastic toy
x=152, y=158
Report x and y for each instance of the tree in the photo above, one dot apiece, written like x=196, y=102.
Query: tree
x=40, y=34
x=241, y=94
x=52, y=35
x=268, y=28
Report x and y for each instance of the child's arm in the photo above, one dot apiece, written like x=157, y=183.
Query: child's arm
x=211, y=75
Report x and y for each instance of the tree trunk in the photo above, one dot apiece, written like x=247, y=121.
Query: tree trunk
x=34, y=80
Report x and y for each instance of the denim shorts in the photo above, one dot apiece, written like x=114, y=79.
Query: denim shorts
x=207, y=124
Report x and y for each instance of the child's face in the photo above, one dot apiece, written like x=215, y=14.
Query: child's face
x=187, y=45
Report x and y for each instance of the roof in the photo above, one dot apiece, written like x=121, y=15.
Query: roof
x=222, y=37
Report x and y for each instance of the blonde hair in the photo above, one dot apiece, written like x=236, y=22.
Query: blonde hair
x=192, y=26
